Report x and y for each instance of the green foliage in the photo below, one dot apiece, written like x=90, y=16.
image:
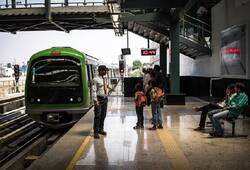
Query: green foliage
x=136, y=64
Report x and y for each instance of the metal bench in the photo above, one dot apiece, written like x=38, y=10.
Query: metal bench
x=231, y=121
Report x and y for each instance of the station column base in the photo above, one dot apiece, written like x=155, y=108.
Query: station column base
x=175, y=99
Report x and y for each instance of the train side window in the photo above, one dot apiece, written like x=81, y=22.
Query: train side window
x=87, y=69
x=92, y=71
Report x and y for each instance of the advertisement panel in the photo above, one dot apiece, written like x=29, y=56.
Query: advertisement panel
x=233, y=51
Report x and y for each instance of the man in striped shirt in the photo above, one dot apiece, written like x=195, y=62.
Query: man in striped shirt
x=233, y=109
x=100, y=97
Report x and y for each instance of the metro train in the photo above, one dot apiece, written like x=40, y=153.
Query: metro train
x=58, y=90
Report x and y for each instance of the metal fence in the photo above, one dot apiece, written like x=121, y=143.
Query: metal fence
x=195, y=30
x=53, y=3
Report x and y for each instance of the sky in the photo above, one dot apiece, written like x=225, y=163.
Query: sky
x=102, y=44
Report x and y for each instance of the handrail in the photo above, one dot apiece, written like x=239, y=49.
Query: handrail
x=186, y=15
x=200, y=30
x=197, y=26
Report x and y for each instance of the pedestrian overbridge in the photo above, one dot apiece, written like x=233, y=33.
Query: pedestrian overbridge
x=64, y=16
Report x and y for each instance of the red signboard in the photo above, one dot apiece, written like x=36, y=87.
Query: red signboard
x=232, y=50
x=148, y=51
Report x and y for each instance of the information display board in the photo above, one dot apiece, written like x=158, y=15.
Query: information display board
x=148, y=51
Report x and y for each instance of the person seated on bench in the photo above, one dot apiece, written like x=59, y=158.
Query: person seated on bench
x=232, y=111
x=212, y=106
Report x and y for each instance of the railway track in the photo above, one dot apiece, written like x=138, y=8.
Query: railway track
x=17, y=133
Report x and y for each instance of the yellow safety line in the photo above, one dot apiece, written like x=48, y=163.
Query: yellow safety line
x=78, y=154
x=174, y=152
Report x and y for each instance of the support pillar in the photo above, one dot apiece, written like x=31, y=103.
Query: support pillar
x=6, y=4
x=175, y=58
x=48, y=9
x=175, y=97
x=13, y=3
x=66, y=2
x=163, y=64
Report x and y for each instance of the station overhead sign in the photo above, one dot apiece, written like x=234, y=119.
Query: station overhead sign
x=148, y=51
x=126, y=51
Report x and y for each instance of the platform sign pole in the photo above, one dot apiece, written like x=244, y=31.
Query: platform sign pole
x=16, y=74
x=122, y=64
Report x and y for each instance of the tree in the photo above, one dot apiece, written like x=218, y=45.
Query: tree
x=136, y=64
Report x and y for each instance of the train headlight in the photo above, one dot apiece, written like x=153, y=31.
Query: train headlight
x=79, y=99
x=38, y=100
x=71, y=99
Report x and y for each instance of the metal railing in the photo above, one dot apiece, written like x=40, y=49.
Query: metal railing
x=28, y=4
x=195, y=30
x=10, y=86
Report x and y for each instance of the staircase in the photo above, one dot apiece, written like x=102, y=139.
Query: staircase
x=195, y=36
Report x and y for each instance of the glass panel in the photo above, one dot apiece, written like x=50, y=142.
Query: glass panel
x=55, y=81
x=56, y=72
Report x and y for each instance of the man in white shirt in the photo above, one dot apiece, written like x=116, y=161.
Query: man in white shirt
x=100, y=97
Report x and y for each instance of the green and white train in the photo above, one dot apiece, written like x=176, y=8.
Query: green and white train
x=58, y=89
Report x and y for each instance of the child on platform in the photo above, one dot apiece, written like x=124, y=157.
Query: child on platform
x=156, y=93
x=140, y=102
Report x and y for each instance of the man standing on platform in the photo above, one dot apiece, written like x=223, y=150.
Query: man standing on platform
x=100, y=97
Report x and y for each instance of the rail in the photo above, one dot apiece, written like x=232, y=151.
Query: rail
x=27, y=4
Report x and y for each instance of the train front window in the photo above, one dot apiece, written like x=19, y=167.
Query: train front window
x=56, y=72
x=55, y=81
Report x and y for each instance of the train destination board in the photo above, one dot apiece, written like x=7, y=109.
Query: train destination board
x=148, y=51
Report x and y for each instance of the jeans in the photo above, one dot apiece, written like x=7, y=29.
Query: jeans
x=215, y=116
x=139, y=113
x=156, y=111
x=204, y=110
x=100, y=114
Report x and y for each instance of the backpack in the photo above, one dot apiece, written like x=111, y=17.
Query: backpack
x=141, y=99
x=157, y=94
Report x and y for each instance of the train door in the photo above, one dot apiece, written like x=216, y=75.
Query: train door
x=90, y=81
x=91, y=67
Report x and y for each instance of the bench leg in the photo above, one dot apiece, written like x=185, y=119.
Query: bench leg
x=233, y=128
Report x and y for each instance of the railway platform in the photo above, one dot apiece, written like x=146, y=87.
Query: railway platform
x=176, y=146
x=10, y=97
x=11, y=101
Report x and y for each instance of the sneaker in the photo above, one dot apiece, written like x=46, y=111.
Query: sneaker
x=136, y=127
x=214, y=134
x=199, y=128
x=96, y=136
x=102, y=132
x=152, y=128
x=160, y=126
x=197, y=109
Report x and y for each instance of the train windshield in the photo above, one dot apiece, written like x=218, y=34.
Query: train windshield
x=55, y=72
x=55, y=81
